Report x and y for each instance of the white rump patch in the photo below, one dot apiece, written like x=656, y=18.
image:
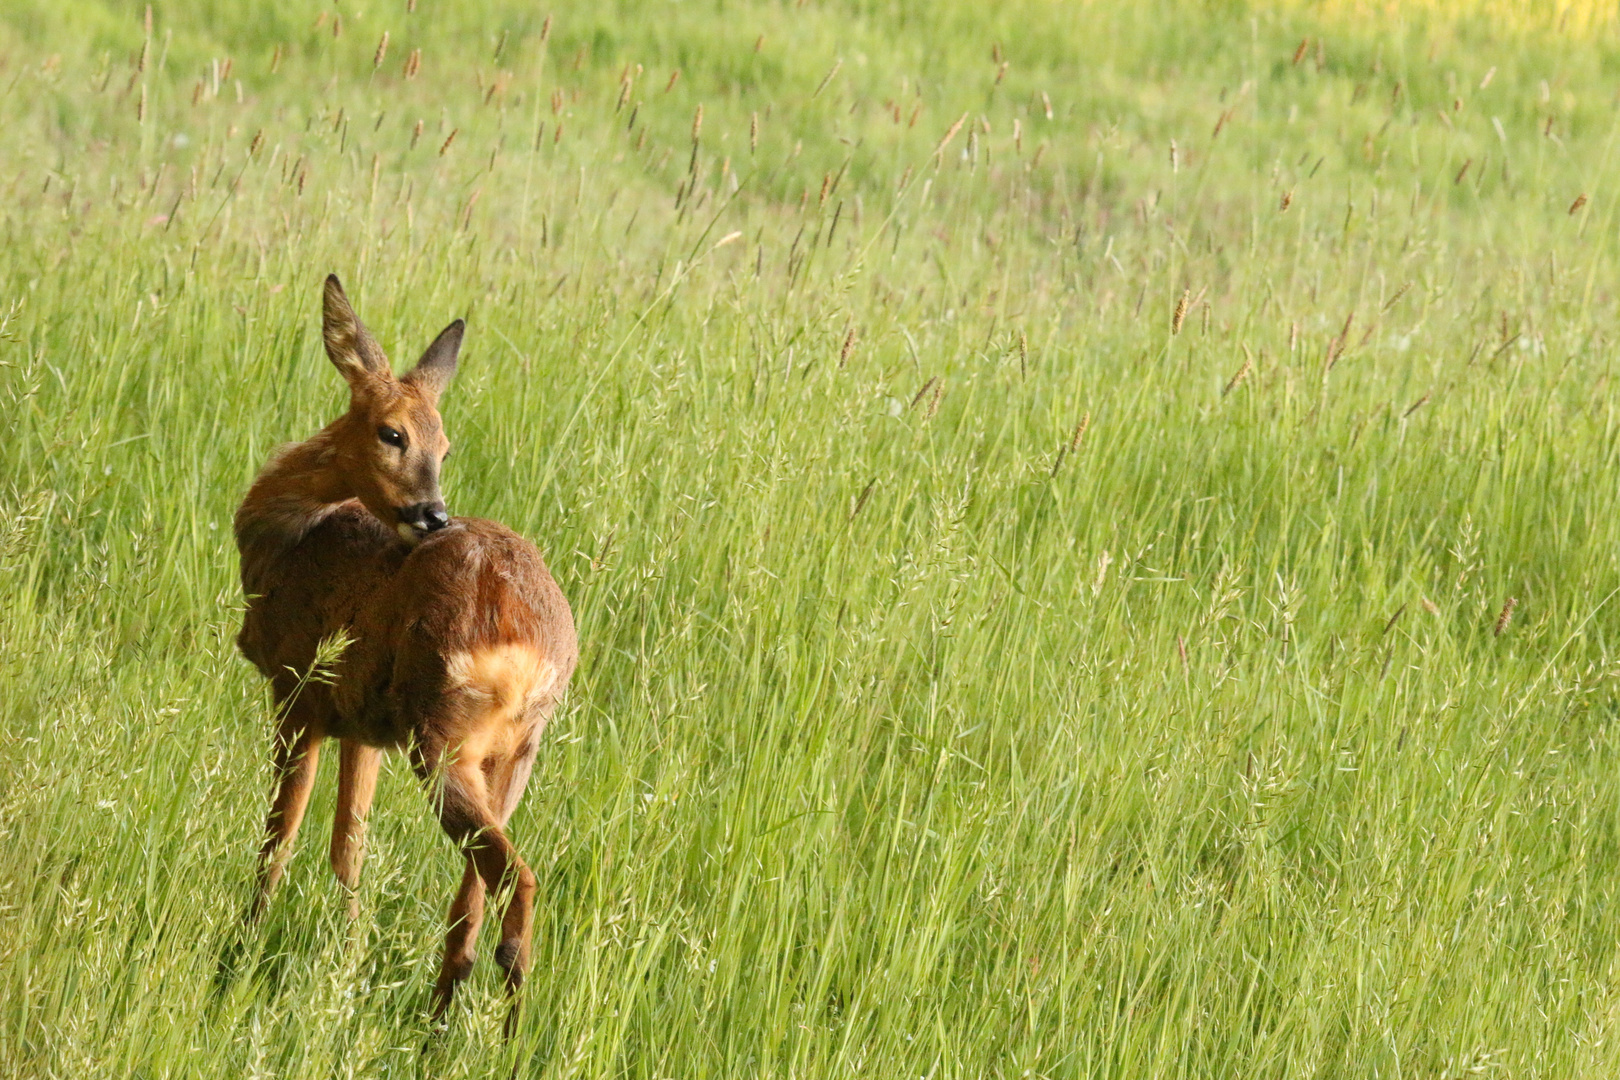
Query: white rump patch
x=510, y=679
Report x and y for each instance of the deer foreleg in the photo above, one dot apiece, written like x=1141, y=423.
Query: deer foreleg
x=357, y=783
x=297, y=754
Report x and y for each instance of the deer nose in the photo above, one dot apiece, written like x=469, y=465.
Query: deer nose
x=424, y=516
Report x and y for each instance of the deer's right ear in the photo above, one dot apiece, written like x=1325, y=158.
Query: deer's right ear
x=432, y=372
x=350, y=345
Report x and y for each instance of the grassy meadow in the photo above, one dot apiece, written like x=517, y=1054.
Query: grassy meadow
x=1094, y=530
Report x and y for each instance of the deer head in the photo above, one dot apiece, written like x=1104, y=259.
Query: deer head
x=390, y=444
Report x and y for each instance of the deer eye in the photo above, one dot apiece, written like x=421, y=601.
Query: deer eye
x=391, y=436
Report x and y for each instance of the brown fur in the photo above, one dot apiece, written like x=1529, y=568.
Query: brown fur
x=461, y=644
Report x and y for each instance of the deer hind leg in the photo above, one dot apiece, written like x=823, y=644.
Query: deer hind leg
x=469, y=816
x=297, y=753
x=461, y=943
x=514, y=777
x=504, y=788
x=498, y=860
x=357, y=783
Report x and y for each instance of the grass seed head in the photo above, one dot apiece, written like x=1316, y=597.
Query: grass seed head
x=1506, y=616
x=1580, y=201
x=1336, y=347
x=827, y=78
x=382, y=51
x=448, y=140
x=1237, y=378
x=1393, y=300
x=1079, y=432
x=1180, y=313
x=860, y=502
x=950, y=134
x=1072, y=445
x=927, y=386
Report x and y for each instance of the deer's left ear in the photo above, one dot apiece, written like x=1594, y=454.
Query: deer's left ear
x=432, y=373
x=349, y=344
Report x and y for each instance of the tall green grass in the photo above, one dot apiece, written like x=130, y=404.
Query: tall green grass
x=913, y=735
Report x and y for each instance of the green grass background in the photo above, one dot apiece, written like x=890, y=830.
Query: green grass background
x=911, y=737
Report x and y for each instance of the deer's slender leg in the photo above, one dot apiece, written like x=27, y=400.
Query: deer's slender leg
x=357, y=783
x=465, y=813
x=499, y=796
x=297, y=753
x=512, y=778
x=460, y=944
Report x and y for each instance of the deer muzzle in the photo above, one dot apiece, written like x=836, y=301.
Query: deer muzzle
x=419, y=519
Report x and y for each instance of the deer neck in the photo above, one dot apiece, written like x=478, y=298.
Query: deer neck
x=297, y=489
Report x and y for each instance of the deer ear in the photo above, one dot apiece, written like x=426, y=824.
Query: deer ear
x=432, y=372
x=350, y=345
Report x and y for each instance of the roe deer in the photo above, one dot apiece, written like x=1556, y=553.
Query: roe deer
x=460, y=643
